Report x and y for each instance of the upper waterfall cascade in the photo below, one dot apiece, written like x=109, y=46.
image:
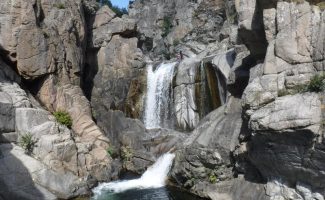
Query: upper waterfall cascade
x=159, y=95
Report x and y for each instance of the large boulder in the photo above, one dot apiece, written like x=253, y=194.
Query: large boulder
x=204, y=155
x=56, y=147
x=23, y=177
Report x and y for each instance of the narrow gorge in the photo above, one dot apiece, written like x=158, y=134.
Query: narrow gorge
x=169, y=99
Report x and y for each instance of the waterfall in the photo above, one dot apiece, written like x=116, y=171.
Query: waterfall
x=154, y=177
x=159, y=95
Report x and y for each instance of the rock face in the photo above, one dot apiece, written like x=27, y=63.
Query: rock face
x=45, y=42
x=59, y=162
x=286, y=138
x=244, y=59
x=280, y=137
x=114, y=66
x=164, y=25
x=198, y=89
x=204, y=157
x=43, y=37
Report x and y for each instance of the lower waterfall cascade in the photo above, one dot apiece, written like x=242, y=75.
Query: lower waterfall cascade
x=154, y=177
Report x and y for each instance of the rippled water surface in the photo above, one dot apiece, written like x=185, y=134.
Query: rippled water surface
x=148, y=194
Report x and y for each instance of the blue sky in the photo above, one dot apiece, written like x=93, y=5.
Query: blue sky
x=120, y=3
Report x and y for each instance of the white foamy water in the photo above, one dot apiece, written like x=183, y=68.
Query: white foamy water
x=154, y=177
x=159, y=95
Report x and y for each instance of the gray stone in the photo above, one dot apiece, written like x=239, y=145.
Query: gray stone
x=7, y=113
x=207, y=149
x=16, y=171
x=269, y=17
x=287, y=113
x=119, y=64
x=27, y=178
x=9, y=137
x=48, y=40
x=224, y=62
x=28, y=118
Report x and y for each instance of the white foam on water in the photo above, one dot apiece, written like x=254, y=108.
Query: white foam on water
x=154, y=177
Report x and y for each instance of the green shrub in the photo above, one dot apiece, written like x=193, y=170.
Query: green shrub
x=126, y=153
x=167, y=26
x=46, y=35
x=283, y=92
x=63, y=118
x=212, y=178
x=59, y=5
x=27, y=143
x=321, y=5
x=316, y=84
x=176, y=42
x=299, y=89
x=112, y=152
x=118, y=11
x=166, y=54
x=297, y=1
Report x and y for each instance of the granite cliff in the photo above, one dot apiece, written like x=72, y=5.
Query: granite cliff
x=248, y=122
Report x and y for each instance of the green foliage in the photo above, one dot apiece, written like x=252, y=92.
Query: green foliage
x=27, y=143
x=63, y=118
x=283, y=92
x=176, y=42
x=119, y=11
x=166, y=55
x=59, y=5
x=167, y=26
x=212, y=178
x=112, y=152
x=299, y=89
x=105, y=2
x=126, y=153
x=321, y=5
x=46, y=35
x=297, y=1
x=316, y=84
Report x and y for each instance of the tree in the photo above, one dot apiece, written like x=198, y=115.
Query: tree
x=105, y=2
x=119, y=11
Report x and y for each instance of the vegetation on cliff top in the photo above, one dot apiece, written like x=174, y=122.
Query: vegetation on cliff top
x=119, y=11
